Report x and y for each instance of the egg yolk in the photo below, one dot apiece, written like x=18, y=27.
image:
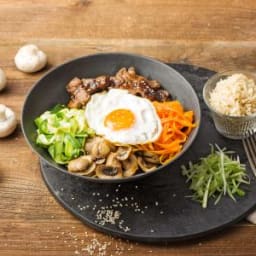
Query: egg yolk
x=119, y=119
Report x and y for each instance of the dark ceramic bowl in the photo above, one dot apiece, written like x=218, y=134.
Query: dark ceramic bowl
x=50, y=90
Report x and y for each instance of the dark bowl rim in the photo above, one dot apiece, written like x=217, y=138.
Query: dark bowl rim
x=119, y=180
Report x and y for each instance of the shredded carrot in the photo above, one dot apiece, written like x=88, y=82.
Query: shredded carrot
x=177, y=125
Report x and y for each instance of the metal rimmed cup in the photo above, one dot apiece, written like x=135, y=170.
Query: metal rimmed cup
x=233, y=127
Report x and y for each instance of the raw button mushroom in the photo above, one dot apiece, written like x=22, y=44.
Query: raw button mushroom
x=8, y=121
x=252, y=217
x=30, y=58
x=2, y=80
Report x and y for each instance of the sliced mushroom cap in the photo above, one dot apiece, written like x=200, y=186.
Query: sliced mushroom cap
x=146, y=166
x=123, y=152
x=79, y=164
x=100, y=160
x=100, y=149
x=150, y=157
x=112, y=146
x=108, y=172
x=104, y=148
x=90, y=143
x=113, y=161
x=90, y=171
x=130, y=166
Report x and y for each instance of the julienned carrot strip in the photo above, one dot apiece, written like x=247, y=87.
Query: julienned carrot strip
x=177, y=125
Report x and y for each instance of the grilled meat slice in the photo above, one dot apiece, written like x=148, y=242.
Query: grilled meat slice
x=73, y=85
x=98, y=84
x=79, y=98
x=80, y=90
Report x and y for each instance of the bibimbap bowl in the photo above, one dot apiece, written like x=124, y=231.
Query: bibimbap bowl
x=50, y=90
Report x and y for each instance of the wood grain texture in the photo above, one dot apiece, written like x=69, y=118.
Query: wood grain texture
x=216, y=34
x=188, y=20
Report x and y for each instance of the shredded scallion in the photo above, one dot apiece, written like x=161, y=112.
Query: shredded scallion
x=216, y=175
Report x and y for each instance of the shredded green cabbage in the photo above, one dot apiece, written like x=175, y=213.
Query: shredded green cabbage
x=216, y=175
x=63, y=132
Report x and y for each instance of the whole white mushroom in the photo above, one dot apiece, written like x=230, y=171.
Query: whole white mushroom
x=252, y=217
x=8, y=121
x=2, y=80
x=30, y=58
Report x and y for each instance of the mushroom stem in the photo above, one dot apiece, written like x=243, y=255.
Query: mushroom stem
x=2, y=113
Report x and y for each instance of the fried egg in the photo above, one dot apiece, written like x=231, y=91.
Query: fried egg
x=123, y=118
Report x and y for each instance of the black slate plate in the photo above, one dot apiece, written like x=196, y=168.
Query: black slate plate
x=155, y=209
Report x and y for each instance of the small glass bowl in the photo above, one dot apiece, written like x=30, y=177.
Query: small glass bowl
x=233, y=127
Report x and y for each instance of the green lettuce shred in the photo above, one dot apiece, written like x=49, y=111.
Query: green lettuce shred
x=216, y=175
x=63, y=132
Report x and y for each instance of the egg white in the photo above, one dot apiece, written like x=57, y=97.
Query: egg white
x=146, y=128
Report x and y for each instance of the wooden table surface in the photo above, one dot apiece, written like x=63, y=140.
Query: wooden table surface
x=214, y=34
